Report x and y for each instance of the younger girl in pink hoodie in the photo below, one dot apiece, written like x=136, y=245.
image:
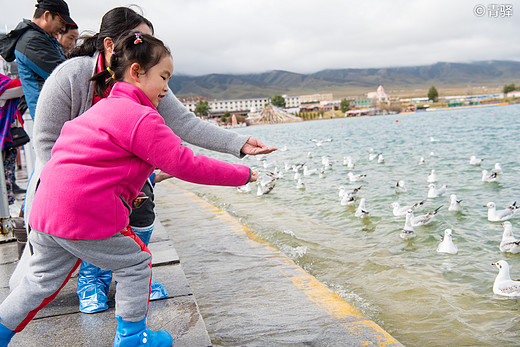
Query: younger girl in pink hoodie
x=88, y=188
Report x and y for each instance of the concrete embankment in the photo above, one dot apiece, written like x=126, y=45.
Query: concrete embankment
x=249, y=293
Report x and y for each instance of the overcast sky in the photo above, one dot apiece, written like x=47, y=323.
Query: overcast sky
x=250, y=36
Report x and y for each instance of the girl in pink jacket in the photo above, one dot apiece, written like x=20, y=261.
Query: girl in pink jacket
x=87, y=189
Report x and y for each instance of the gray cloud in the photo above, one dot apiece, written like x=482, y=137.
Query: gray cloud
x=247, y=36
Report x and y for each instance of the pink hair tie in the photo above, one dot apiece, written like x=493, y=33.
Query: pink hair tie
x=138, y=38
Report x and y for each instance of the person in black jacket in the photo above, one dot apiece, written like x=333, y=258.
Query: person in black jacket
x=33, y=44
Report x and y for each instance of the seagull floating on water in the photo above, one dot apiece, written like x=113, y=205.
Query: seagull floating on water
x=502, y=215
x=435, y=192
x=408, y=232
x=347, y=198
x=380, y=158
x=421, y=161
x=432, y=177
x=455, y=205
x=361, y=211
x=424, y=219
x=447, y=245
x=308, y=172
x=473, y=160
x=347, y=161
x=371, y=154
x=497, y=168
x=503, y=284
x=354, y=178
x=300, y=184
x=400, y=187
x=399, y=210
x=489, y=177
x=509, y=243
x=320, y=142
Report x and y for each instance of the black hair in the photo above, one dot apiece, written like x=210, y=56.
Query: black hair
x=68, y=27
x=116, y=23
x=136, y=47
x=40, y=11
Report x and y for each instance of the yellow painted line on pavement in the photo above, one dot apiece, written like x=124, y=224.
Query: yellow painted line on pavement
x=317, y=292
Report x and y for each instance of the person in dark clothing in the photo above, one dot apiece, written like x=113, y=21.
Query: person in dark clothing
x=33, y=44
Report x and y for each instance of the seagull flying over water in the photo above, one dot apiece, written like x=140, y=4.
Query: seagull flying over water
x=435, y=192
x=509, y=243
x=447, y=245
x=246, y=188
x=424, y=219
x=265, y=186
x=502, y=215
x=408, y=232
x=503, y=284
x=399, y=210
x=455, y=205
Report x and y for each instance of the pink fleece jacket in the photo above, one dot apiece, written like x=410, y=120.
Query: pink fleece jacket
x=102, y=159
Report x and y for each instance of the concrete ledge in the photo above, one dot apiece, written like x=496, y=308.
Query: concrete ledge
x=61, y=324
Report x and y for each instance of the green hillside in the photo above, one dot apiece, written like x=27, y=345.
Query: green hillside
x=448, y=78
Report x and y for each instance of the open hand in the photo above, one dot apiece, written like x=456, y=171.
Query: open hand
x=253, y=146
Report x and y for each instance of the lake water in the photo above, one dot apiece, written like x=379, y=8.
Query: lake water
x=419, y=296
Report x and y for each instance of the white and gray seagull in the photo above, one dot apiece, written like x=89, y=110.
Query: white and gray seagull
x=447, y=245
x=503, y=284
x=455, y=205
x=399, y=210
x=424, y=219
x=408, y=232
x=500, y=215
x=435, y=192
x=509, y=243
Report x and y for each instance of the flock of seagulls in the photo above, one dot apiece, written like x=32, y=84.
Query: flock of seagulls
x=348, y=197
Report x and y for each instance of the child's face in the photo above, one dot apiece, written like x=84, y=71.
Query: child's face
x=154, y=83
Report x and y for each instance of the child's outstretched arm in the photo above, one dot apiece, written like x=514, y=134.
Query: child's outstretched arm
x=156, y=143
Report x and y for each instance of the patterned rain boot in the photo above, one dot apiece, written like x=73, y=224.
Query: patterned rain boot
x=137, y=334
x=5, y=335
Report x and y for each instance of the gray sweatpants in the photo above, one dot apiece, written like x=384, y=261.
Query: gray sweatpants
x=53, y=261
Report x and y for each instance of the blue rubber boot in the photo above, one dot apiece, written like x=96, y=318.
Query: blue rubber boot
x=130, y=334
x=92, y=288
x=157, y=290
x=5, y=335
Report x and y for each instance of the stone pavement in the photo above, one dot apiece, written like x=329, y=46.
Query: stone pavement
x=61, y=324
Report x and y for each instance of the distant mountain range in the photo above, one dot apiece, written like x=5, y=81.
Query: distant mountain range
x=476, y=77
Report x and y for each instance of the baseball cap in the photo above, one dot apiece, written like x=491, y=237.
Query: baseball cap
x=59, y=7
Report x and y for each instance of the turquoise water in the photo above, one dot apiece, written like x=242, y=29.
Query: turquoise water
x=419, y=296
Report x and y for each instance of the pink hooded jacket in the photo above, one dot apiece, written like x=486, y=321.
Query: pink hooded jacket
x=102, y=159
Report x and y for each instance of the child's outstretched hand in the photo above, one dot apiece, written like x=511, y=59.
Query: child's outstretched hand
x=254, y=176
